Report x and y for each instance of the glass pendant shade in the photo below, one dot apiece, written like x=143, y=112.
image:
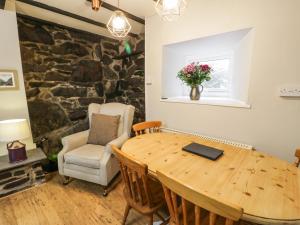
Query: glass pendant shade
x=170, y=10
x=96, y=4
x=118, y=24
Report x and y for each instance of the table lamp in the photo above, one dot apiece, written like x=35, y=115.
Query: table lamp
x=11, y=131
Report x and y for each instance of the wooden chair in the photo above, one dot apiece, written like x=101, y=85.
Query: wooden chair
x=141, y=192
x=297, y=154
x=188, y=207
x=147, y=127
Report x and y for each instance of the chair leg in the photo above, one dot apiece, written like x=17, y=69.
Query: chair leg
x=127, y=209
x=105, y=191
x=151, y=219
x=165, y=221
x=66, y=180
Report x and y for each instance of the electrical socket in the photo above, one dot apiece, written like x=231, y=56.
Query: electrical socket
x=289, y=91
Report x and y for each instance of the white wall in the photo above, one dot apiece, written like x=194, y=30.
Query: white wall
x=13, y=104
x=272, y=123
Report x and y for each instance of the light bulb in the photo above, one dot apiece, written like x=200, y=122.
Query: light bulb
x=118, y=23
x=170, y=4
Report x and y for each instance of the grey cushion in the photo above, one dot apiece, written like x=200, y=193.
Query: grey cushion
x=104, y=128
x=87, y=155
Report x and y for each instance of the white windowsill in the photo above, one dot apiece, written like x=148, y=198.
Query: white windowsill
x=217, y=101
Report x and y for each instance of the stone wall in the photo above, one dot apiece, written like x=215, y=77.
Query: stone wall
x=65, y=70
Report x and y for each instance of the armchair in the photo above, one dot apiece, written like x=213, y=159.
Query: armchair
x=95, y=163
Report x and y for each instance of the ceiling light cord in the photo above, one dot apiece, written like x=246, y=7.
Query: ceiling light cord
x=118, y=24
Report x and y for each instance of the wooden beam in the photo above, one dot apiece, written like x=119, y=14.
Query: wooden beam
x=127, y=14
x=64, y=27
x=66, y=13
x=2, y=4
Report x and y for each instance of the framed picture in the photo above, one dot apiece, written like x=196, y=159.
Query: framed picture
x=8, y=80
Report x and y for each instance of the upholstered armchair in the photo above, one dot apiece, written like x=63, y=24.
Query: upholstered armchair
x=95, y=163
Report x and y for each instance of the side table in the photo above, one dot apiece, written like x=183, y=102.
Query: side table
x=19, y=176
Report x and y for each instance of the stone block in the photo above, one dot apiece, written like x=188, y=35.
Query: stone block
x=5, y=175
x=46, y=117
x=77, y=115
x=35, y=34
x=56, y=76
x=61, y=36
x=70, y=48
x=140, y=46
x=87, y=101
x=69, y=91
x=16, y=183
x=107, y=60
x=32, y=92
x=87, y=71
x=109, y=74
x=42, y=84
x=99, y=89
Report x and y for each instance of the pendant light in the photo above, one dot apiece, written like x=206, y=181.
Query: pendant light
x=118, y=24
x=96, y=4
x=170, y=10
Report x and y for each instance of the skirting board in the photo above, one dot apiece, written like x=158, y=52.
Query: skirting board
x=220, y=140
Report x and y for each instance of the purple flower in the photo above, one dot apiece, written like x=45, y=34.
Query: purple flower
x=205, y=68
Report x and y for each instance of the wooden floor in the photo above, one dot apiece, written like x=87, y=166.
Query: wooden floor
x=79, y=203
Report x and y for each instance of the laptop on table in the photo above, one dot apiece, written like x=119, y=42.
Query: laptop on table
x=203, y=150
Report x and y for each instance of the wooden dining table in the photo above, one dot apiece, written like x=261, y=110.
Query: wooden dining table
x=267, y=188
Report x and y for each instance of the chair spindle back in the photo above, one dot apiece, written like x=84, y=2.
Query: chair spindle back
x=135, y=177
x=147, y=127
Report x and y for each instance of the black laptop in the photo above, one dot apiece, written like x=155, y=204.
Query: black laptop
x=203, y=150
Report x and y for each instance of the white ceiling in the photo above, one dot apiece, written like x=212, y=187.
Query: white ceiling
x=139, y=8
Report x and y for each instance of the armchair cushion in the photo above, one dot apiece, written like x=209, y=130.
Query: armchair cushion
x=104, y=128
x=87, y=155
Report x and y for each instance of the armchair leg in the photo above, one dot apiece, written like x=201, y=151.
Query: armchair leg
x=66, y=180
x=105, y=191
x=115, y=181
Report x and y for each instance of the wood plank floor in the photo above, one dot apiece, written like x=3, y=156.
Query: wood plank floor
x=79, y=203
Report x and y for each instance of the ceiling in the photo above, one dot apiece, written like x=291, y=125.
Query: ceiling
x=139, y=8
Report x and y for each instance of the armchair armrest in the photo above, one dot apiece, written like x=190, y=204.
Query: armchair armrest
x=117, y=142
x=107, y=163
x=69, y=143
x=75, y=140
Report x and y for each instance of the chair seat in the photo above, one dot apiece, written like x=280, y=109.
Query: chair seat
x=87, y=156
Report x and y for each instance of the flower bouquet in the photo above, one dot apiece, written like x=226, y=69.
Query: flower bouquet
x=194, y=75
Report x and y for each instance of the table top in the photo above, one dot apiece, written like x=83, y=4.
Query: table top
x=267, y=188
x=33, y=155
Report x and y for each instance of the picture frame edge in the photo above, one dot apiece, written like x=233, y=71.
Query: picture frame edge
x=16, y=80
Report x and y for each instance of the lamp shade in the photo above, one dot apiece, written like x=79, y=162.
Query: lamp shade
x=118, y=24
x=13, y=130
x=170, y=10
